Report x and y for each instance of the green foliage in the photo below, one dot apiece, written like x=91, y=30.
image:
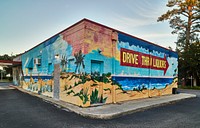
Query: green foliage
x=118, y=88
x=70, y=87
x=96, y=76
x=116, y=83
x=144, y=88
x=108, y=74
x=63, y=62
x=105, y=78
x=189, y=62
x=75, y=84
x=184, y=19
x=8, y=70
x=175, y=79
x=73, y=76
x=83, y=78
x=103, y=100
x=135, y=89
x=94, y=85
x=124, y=91
x=175, y=72
x=189, y=87
x=67, y=76
x=83, y=96
x=107, y=89
x=7, y=57
x=94, y=97
x=66, y=87
x=140, y=88
x=69, y=92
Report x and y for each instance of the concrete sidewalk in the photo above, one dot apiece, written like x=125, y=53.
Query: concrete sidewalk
x=110, y=111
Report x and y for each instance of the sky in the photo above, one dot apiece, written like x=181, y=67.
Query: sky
x=26, y=23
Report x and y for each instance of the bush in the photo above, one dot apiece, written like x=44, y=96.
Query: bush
x=189, y=87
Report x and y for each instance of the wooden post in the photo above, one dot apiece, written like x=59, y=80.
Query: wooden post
x=113, y=94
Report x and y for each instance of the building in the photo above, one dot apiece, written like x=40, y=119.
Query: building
x=99, y=64
x=17, y=70
x=8, y=64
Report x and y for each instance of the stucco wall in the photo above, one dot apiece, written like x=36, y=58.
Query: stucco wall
x=100, y=65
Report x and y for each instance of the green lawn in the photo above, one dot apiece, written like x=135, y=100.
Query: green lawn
x=189, y=87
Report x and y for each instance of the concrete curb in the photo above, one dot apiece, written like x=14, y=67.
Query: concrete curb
x=143, y=104
x=110, y=111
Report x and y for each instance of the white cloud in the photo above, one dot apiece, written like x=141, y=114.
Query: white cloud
x=158, y=35
x=129, y=22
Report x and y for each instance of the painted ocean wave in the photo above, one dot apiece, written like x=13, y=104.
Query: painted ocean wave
x=137, y=83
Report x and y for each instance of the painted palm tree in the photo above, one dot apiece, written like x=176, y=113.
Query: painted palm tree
x=79, y=61
x=63, y=62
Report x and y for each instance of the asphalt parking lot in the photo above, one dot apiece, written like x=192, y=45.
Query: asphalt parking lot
x=20, y=110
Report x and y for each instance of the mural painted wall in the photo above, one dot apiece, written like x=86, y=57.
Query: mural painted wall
x=38, y=63
x=100, y=65
x=149, y=65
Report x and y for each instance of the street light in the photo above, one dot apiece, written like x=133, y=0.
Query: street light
x=57, y=56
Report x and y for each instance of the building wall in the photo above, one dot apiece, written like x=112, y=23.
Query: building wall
x=150, y=66
x=100, y=65
x=17, y=71
x=64, y=44
x=17, y=75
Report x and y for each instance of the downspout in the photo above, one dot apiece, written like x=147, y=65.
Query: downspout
x=114, y=38
x=150, y=73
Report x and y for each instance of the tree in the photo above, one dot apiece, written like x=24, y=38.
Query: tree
x=184, y=19
x=170, y=48
x=8, y=70
x=63, y=63
x=6, y=57
x=194, y=60
x=79, y=61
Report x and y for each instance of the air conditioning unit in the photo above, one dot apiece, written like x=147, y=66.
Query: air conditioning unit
x=37, y=61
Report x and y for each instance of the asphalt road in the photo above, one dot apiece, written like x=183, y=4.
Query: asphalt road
x=20, y=110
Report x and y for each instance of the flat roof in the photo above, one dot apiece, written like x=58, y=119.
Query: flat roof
x=102, y=26
x=10, y=62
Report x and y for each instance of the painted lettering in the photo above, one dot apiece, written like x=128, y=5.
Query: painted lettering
x=129, y=58
x=141, y=60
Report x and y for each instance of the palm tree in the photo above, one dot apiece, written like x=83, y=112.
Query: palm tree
x=63, y=62
x=79, y=61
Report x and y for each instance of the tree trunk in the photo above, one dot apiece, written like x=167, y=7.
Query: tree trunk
x=195, y=82
x=188, y=29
